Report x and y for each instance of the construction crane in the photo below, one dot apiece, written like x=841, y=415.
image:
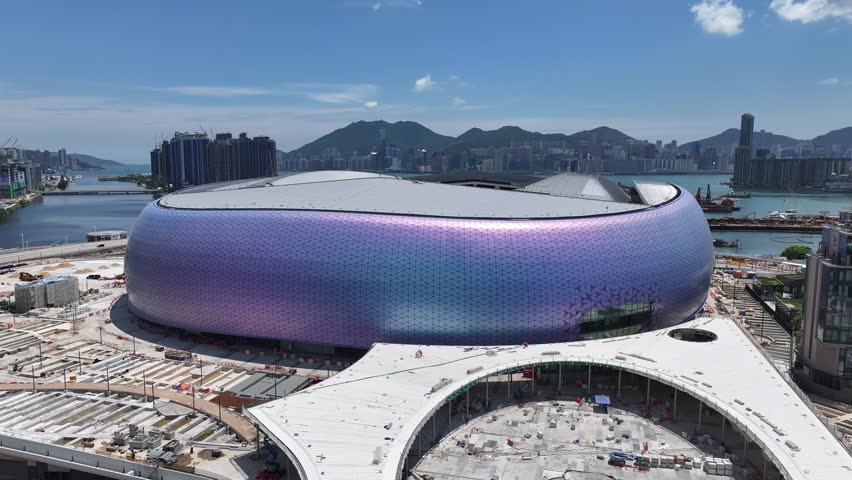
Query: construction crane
x=7, y=141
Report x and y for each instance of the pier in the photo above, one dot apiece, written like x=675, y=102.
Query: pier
x=766, y=225
x=101, y=192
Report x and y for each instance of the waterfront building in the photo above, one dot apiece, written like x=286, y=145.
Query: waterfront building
x=771, y=172
x=155, y=164
x=63, y=158
x=32, y=176
x=747, y=130
x=742, y=153
x=350, y=258
x=164, y=164
x=221, y=161
x=241, y=158
x=187, y=154
x=13, y=181
x=825, y=348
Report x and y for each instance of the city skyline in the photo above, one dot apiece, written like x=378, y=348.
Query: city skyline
x=100, y=82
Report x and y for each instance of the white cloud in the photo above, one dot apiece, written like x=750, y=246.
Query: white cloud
x=376, y=6
x=830, y=81
x=332, y=92
x=457, y=102
x=807, y=11
x=425, y=83
x=721, y=17
x=371, y=104
x=214, y=91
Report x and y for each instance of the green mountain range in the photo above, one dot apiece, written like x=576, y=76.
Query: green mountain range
x=98, y=162
x=363, y=136
x=842, y=136
x=731, y=136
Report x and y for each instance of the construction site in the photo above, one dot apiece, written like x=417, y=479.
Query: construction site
x=82, y=381
x=580, y=422
x=93, y=389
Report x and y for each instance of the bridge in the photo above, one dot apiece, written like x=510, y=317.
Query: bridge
x=102, y=192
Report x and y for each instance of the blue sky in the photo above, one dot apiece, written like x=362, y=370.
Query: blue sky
x=109, y=78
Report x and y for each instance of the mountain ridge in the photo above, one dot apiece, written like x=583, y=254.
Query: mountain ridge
x=363, y=135
x=93, y=160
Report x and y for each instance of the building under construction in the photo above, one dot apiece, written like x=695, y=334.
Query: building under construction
x=46, y=292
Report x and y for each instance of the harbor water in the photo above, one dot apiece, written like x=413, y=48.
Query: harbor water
x=55, y=219
x=760, y=204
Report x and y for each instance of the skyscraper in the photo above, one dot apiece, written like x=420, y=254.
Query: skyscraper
x=165, y=164
x=192, y=159
x=221, y=161
x=746, y=130
x=742, y=154
x=155, y=164
x=263, y=159
x=188, y=151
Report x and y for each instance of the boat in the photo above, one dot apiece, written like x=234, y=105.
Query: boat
x=737, y=195
x=718, y=242
x=719, y=207
x=789, y=214
x=708, y=204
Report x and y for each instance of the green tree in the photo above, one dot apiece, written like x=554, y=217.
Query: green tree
x=796, y=252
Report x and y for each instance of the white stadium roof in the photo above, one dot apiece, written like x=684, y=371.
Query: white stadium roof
x=560, y=196
x=334, y=430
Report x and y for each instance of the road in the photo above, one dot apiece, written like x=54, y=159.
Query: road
x=18, y=255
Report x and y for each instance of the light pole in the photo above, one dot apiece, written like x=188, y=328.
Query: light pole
x=22, y=242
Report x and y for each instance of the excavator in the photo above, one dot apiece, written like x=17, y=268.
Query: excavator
x=29, y=277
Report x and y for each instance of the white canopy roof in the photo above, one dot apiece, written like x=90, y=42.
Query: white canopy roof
x=334, y=429
x=565, y=195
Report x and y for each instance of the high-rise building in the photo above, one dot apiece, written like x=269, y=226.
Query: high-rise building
x=825, y=348
x=187, y=153
x=221, y=159
x=63, y=158
x=155, y=164
x=164, y=161
x=262, y=161
x=746, y=130
x=742, y=154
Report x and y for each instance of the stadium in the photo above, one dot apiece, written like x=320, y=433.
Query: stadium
x=349, y=259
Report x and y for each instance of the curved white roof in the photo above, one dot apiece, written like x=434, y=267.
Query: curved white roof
x=565, y=195
x=334, y=429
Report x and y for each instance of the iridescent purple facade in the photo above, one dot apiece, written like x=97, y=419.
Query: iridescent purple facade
x=352, y=279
